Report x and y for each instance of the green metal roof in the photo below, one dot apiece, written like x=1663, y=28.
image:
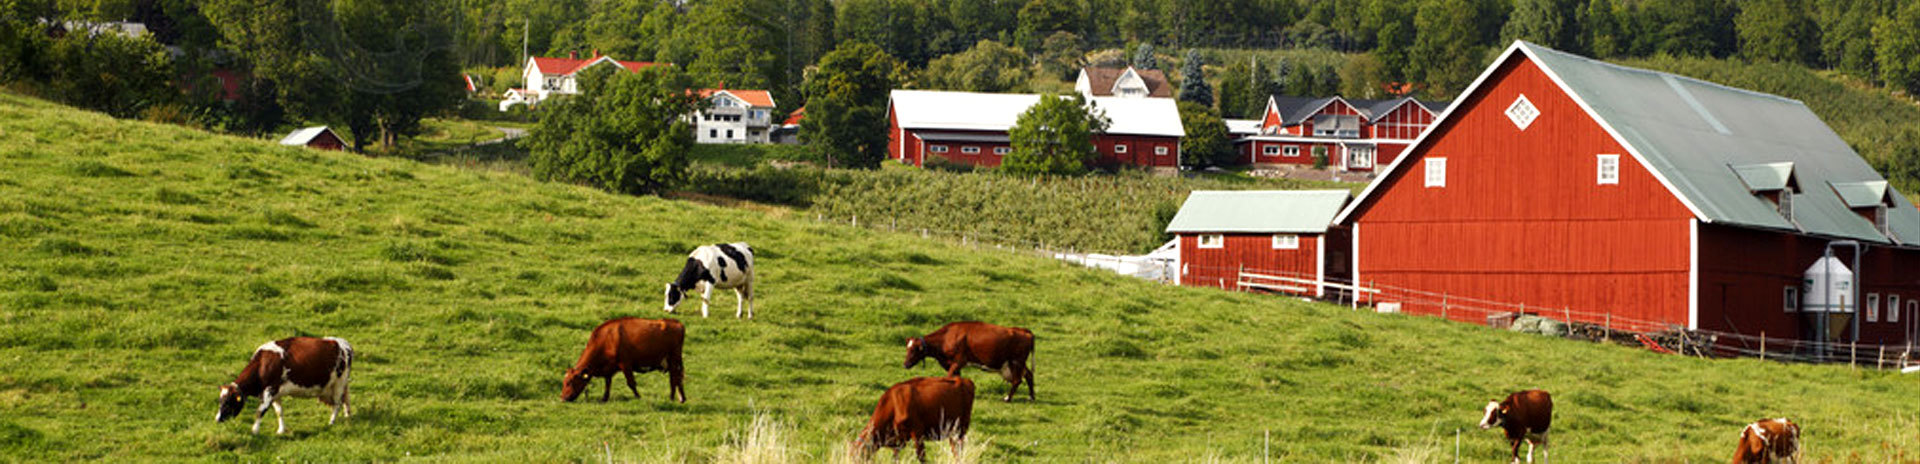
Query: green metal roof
x=1259, y=211
x=1861, y=194
x=1765, y=177
x=1690, y=131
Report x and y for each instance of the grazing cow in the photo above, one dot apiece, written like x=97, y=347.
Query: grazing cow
x=917, y=410
x=978, y=344
x=1525, y=416
x=726, y=265
x=1769, y=441
x=303, y=367
x=625, y=346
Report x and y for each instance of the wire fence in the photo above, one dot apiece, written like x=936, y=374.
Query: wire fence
x=1581, y=323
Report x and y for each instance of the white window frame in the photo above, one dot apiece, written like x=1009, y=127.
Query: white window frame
x=937, y=148
x=1119, y=148
x=1270, y=150
x=1522, y=112
x=1913, y=306
x=1291, y=151
x=1873, y=309
x=1893, y=301
x=1002, y=151
x=970, y=149
x=1210, y=241
x=1607, y=169
x=1160, y=150
x=1436, y=172
x=1791, y=294
x=1286, y=241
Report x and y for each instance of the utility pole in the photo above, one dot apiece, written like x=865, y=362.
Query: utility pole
x=526, y=26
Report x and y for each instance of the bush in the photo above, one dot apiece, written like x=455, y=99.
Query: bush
x=627, y=133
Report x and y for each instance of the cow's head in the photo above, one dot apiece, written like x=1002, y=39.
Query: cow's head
x=674, y=296
x=916, y=351
x=1495, y=413
x=230, y=402
x=573, y=385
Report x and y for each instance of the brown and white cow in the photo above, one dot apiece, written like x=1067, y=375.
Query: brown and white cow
x=624, y=346
x=917, y=410
x=303, y=367
x=1524, y=416
x=1769, y=441
x=978, y=344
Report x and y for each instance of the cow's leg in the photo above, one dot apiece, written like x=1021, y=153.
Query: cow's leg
x=278, y=418
x=607, y=391
x=675, y=378
x=706, y=296
x=742, y=299
x=1516, y=450
x=1029, y=376
x=958, y=444
x=1546, y=453
x=631, y=385
x=326, y=399
x=920, y=447
x=266, y=403
x=346, y=397
x=1529, y=451
x=1012, y=372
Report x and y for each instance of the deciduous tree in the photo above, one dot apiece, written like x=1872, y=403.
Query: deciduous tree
x=847, y=105
x=628, y=132
x=1055, y=136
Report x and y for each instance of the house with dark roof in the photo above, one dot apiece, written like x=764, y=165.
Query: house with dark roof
x=1126, y=82
x=1353, y=134
x=1642, y=200
x=734, y=116
x=546, y=77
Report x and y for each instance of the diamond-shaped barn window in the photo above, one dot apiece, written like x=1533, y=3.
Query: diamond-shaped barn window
x=1522, y=112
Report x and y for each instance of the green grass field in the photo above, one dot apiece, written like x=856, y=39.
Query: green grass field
x=143, y=263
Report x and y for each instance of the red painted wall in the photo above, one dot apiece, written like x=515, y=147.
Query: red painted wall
x=1220, y=267
x=327, y=141
x=1404, y=123
x=1521, y=219
x=1744, y=274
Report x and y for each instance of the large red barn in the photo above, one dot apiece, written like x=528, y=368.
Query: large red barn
x=1280, y=233
x=971, y=128
x=1600, y=191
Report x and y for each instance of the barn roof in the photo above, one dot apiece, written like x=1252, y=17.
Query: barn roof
x=1692, y=134
x=1259, y=211
x=1295, y=110
x=1242, y=126
x=930, y=109
x=1102, y=79
x=305, y=135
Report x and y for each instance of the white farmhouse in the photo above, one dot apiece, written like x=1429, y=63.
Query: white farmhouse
x=1126, y=82
x=546, y=77
x=734, y=116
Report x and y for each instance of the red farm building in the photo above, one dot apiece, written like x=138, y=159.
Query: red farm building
x=971, y=128
x=1283, y=235
x=1643, y=200
x=319, y=137
x=1354, y=135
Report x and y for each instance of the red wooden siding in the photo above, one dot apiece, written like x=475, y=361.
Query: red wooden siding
x=1271, y=120
x=327, y=141
x=1403, y=123
x=1336, y=107
x=1571, y=244
x=1744, y=274
x=1220, y=267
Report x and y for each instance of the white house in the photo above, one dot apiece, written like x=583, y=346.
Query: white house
x=734, y=116
x=546, y=77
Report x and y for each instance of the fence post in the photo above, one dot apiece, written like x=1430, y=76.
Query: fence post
x=1853, y=351
x=856, y=220
x=1763, y=345
x=1882, y=362
x=1609, y=325
x=1569, y=312
x=1444, y=306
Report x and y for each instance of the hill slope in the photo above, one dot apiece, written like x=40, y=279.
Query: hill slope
x=145, y=262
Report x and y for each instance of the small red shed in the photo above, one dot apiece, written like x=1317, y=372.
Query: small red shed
x=319, y=137
x=1280, y=233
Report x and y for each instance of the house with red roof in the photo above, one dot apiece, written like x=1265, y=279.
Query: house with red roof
x=734, y=116
x=546, y=77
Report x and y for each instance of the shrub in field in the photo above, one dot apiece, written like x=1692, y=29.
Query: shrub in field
x=626, y=133
x=1055, y=136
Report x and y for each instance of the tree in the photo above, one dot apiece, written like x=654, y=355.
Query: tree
x=1193, y=80
x=628, y=132
x=1144, y=58
x=1776, y=30
x=1600, y=30
x=1540, y=21
x=1897, y=42
x=847, y=105
x=987, y=67
x=742, y=57
x=1206, y=141
x=1447, y=51
x=1395, y=40
x=114, y=74
x=1041, y=18
x=1236, y=89
x=1055, y=136
x=1062, y=55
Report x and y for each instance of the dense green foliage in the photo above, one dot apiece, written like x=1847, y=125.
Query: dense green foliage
x=847, y=105
x=1897, y=43
x=627, y=133
x=987, y=67
x=1193, y=80
x=1054, y=136
x=151, y=260
x=1207, y=142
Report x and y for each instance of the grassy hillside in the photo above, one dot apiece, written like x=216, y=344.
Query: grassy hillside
x=145, y=262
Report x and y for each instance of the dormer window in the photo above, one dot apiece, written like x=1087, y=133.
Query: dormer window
x=1774, y=183
x=1870, y=200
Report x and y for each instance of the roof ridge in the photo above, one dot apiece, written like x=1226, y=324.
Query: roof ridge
x=1621, y=67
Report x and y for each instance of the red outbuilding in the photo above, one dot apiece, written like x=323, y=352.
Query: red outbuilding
x=319, y=137
x=1283, y=235
x=1598, y=191
x=971, y=128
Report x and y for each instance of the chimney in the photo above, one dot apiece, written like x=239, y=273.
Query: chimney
x=723, y=85
x=596, y=53
x=573, y=54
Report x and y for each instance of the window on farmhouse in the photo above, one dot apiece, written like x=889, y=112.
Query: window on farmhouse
x=1292, y=152
x=1873, y=308
x=1270, y=150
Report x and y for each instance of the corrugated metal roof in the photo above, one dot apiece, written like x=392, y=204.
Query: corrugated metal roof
x=961, y=137
x=929, y=109
x=1861, y=194
x=1259, y=211
x=1689, y=131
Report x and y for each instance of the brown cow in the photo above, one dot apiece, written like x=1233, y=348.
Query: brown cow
x=1769, y=441
x=304, y=367
x=979, y=344
x=1525, y=416
x=628, y=345
x=918, y=409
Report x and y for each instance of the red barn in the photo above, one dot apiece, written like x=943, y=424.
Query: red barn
x=319, y=137
x=971, y=128
x=1270, y=232
x=1562, y=182
x=1355, y=135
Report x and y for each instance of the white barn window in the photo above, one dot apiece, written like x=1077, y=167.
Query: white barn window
x=1270, y=150
x=1608, y=169
x=1791, y=295
x=1162, y=151
x=1211, y=241
x=1873, y=309
x=1286, y=242
x=1893, y=303
x=939, y=148
x=1119, y=148
x=1522, y=112
x=1002, y=150
x=969, y=149
x=1292, y=151
x=1436, y=172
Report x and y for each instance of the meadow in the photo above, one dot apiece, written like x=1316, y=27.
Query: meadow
x=143, y=263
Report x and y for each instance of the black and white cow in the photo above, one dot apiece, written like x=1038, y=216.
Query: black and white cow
x=298, y=367
x=726, y=265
